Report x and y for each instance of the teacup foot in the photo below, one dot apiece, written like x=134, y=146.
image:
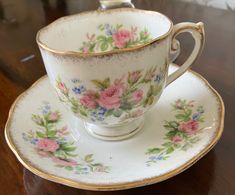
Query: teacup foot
x=115, y=133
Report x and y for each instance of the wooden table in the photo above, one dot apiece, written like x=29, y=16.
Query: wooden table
x=21, y=65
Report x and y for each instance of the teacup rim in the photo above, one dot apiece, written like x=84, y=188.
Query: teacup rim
x=104, y=53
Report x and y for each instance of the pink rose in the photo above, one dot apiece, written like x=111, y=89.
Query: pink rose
x=133, y=76
x=176, y=139
x=53, y=116
x=64, y=162
x=137, y=95
x=121, y=38
x=110, y=97
x=88, y=101
x=62, y=87
x=189, y=127
x=47, y=145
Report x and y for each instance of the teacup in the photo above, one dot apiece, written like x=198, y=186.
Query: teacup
x=110, y=67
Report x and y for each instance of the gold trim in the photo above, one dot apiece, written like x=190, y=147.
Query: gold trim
x=117, y=186
x=80, y=54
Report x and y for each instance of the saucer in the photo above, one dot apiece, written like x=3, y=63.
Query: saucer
x=181, y=128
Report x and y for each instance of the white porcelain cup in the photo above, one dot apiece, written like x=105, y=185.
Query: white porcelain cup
x=110, y=67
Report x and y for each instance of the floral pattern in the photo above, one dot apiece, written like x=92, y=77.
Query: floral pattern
x=113, y=38
x=122, y=97
x=50, y=141
x=182, y=133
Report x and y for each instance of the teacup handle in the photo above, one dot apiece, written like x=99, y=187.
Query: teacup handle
x=197, y=32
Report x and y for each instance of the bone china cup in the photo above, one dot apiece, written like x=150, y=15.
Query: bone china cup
x=110, y=67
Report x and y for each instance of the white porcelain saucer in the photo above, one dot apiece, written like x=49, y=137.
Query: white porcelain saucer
x=184, y=125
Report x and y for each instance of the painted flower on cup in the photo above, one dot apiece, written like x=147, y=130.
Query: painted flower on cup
x=62, y=87
x=138, y=95
x=134, y=76
x=121, y=38
x=110, y=97
x=114, y=98
x=182, y=132
x=113, y=37
x=49, y=141
x=88, y=101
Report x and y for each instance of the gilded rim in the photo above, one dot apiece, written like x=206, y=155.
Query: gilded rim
x=80, y=54
x=118, y=186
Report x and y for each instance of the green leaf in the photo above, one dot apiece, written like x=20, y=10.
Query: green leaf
x=154, y=150
x=69, y=149
x=167, y=144
x=97, y=164
x=101, y=84
x=70, y=154
x=82, y=112
x=101, y=38
x=150, y=91
x=117, y=112
x=109, y=113
x=61, y=154
x=91, y=48
x=88, y=158
x=109, y=40
x=40, y=134
x=188, y=112
x=126, y=106
x=51, y=134
x=69, y=168
x=118, y=26
x=104, y=46
x=170, y=150
x=101, y=27
x=180, y=116
x=106, y=82
x=171, y=133
x=157, y=89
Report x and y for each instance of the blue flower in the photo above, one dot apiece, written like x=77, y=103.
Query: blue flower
x=156, y=158
x=98, y=114
x=102, y=111
x=34, y=141
x=159, y=158
x=109, y=32
x=196, y=116
x=46, y=108
x=79, y=90
x=158, y=78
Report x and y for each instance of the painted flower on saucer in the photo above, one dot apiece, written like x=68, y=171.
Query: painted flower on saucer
x=181, y=132
x=50, y=141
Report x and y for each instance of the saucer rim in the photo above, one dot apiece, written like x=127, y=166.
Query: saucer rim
x=124, y=185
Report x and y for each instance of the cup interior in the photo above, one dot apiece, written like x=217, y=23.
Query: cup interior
x=102, y=31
